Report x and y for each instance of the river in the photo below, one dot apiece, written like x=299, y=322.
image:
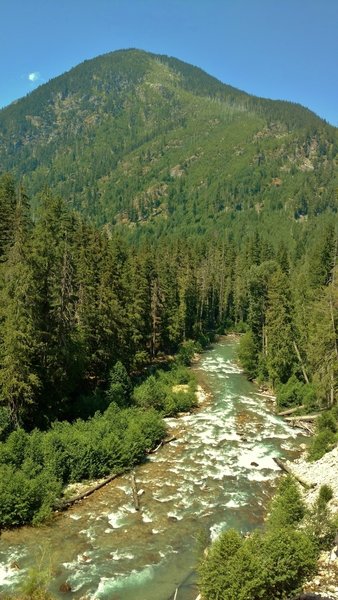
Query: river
x=218, y=473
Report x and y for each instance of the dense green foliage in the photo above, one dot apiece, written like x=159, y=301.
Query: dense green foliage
x=218, y=208
x=74, y=301
x=272, y=563
x=287, y=508
x=326, y=435
x=35, y=466
x=168, y=392
x=132, y=137
x=164, y=207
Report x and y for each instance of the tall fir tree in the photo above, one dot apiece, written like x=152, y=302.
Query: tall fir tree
x=19, y=377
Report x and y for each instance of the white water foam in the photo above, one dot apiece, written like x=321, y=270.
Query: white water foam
x=216, y=530
x=112, y=584
x=81, y=576
x=89, y=533
x=146, y=517
x=175, y=515
x=8, y=574
x=116, y=555
x=116, y=519
x=233, y=504
x=256, y=455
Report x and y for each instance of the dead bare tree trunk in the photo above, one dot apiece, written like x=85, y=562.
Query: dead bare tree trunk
x=301, y=362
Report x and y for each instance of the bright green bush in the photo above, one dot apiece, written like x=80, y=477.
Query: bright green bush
x=323, y=442
x=326, y=434
x=287, y=508
x=327, y=421
x=187, y=351
x=157, y=391
x=24, y=498
x=150, y=394
x=34, y=467
x=296, y=393
x=325, y=494
x=268, y=564
x=261, y=567
x=320, y=524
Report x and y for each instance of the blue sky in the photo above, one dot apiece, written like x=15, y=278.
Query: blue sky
x=285, y=49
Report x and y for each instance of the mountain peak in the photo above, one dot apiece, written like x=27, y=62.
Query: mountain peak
x=132, y=136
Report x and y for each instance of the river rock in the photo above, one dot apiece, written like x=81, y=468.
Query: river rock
x=323, y=471
x=254, y=464
x=65, y=587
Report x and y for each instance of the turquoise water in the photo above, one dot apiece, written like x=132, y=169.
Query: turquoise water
x=219, y=473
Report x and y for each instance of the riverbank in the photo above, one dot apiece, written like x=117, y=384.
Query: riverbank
x=322, y=472
x=86, y=488
x=200, y=484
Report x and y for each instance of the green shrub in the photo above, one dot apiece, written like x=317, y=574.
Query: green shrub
x=187, y=351
x=24, y=498
x=288, y=557
x=310, y=399
x=290, y=393
x=320, y=523
x=15, y=448
x=150, y=394
x=33, y=467
x=240, y=327
x=323, y=442
x=287, y=508
x=261, y=567
x=180, y=375
x=325, y=494
x=327, y=421
x=157, y=391
x=296, y=393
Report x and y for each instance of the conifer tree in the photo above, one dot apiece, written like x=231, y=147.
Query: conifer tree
x=19, y=379
x=54, y=272
x=7, y=212
x=279, y=329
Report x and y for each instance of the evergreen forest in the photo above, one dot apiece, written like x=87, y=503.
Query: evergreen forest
x=145, y=208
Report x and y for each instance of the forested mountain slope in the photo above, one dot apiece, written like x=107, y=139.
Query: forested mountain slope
x=132, y=137
x=166, y=206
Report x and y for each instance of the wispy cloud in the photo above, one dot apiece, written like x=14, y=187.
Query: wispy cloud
x=34, y=76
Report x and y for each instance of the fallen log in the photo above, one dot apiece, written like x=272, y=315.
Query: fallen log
x=306, y=427
x=64, y=504
x=310, y=596
x=305, y=418
x=289, y=411
x=289, y=471
x=162, y=443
